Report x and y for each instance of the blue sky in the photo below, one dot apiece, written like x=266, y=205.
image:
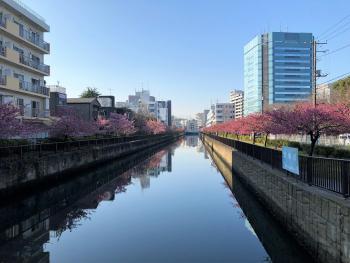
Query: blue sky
x=189, y=51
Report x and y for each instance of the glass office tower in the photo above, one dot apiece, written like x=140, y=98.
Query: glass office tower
x=277, y=70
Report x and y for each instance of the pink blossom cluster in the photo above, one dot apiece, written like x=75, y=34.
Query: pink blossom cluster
x=154, y=127
x=303, y=118
x=117, y=124
x=70, y=124
x=12, y=124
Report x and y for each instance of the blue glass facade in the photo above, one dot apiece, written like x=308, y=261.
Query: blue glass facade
x=277, y=69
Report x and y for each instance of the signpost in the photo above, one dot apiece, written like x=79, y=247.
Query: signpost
x=290, y=159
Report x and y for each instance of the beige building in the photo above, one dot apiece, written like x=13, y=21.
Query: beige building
x=220, y=113
x=237, y=99
x=324, y=93
x=22, y=50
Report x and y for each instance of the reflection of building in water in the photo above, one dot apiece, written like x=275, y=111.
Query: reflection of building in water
x=26, y=226
x=25, y=240
x=191, y=140
x=153, y=167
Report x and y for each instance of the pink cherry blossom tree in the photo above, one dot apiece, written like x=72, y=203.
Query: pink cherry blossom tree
x=10, y=123
x=304, y=118
x=117, y=124
x=154, y=127
x=69, y=124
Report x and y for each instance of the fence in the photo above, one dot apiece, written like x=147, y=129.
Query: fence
x=45, y=148
x=327, y=173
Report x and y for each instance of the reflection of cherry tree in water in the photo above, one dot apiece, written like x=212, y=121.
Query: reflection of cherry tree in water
x=72, y=220
x=76, y=215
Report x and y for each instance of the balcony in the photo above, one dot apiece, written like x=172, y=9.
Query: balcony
x=34, y=40
x=11, y=83
x=27, y=86
x=34, y=64
x=27, y=63
x=24, y=36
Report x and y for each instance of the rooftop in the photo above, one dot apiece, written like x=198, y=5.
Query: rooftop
x=80, y=100
x=27, y=12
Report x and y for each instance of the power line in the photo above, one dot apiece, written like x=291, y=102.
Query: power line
x=336, y=24
x=336, y=35
x=336, y=50
x=336, y=78
x=336, y=30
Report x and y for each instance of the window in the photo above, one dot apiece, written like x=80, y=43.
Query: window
x=20, y=105
x=19, y=50
x=35, y=108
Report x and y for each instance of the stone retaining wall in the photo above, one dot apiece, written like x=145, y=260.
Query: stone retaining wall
x=318, y=219
x=17, y=173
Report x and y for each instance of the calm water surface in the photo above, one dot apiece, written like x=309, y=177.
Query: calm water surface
x=175, y=206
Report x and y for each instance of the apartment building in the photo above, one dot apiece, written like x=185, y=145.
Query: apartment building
x=163, y=112
x=237, y=99
x=191, y=127
x=220, y=112
x=22, y=51
x=277, y=70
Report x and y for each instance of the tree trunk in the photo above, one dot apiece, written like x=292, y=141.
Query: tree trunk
x=254, y=135
x=266, y=139
x=314, y=139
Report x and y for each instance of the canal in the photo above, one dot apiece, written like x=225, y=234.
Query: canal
x=176, y=204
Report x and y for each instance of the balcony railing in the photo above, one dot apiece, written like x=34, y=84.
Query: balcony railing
x=2, y=80
x=34, y=64
x=3, y=22
x=27, y=86
x=26, y=34
x=35, y=40
x=2, y=51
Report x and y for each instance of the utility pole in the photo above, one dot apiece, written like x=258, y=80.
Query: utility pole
x=316, y=73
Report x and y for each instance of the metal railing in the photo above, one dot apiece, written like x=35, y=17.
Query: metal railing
x=35, y=40
x=3, y=22
x=41, y=149
x=327, y=173
x=3, y=80
x=3, y=51
x=27, y=86
x=34, y=64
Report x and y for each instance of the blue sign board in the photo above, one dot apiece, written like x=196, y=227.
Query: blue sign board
x=290, y=159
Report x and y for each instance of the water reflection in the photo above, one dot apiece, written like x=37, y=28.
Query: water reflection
x=280, y=246
x=156, y=206
x=26, y=226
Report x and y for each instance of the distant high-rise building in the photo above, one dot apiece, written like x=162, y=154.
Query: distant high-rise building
x=201, y=118
x=277, y=69
x=143, y=102
x=163, y=111
x=237, y=98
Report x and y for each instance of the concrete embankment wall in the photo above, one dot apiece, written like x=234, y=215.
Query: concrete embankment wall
x=319, y=220
x=16, y=174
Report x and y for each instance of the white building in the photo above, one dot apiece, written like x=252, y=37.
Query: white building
x=219, y=113
x=143, y=102
x=191, y=127
x=324, y=93
x=237, y=99
x=22, y=50
x=179, y=123
x=163, y=112
x=201, y=118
